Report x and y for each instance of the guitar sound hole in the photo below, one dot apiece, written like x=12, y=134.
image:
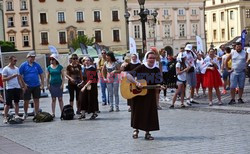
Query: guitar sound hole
x=136, y=91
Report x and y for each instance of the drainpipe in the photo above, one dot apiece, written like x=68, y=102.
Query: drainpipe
x=32, y=25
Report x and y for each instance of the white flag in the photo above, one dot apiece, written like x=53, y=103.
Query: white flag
x=199, y=44
x=132, y=46
x=53, y=49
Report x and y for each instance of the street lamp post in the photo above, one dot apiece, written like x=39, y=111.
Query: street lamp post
x=143, y=14
x=155, y=14
x=127, y=15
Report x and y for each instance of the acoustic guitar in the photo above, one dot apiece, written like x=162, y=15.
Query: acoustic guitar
x=130, y=90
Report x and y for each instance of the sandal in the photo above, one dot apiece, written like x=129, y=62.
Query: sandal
x=148, y=137
x=183, y=106
x=93, y=116
x=135, y=134
x=171, y=107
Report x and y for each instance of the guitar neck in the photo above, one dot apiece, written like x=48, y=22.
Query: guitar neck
x=151, y=86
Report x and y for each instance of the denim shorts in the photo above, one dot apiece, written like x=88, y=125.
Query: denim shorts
x=191, y=79
x=237, y=79
x=225, y=74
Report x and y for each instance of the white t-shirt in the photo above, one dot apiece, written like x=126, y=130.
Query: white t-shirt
x=191, y=58
x=12, y=83
x=181, y=76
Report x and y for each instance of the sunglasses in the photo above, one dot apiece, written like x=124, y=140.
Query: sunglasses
x=74, y=58
x=103, y=53
x=52, y=59
x=15, y=60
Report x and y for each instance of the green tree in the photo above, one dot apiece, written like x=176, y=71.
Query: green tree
x=82, y=39
x=7, y=46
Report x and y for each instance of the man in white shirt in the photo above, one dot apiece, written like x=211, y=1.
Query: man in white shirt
x=13, y=89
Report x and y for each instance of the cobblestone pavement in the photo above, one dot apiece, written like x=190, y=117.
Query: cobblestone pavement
x=196, y=129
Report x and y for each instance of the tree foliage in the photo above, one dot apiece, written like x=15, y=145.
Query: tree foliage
x=7, y=46
x=82, y=39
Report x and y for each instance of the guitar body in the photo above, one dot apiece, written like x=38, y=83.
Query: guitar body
x=129, y=90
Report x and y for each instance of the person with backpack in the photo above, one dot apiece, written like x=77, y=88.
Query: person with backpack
x=55, y=82
x=88, y=96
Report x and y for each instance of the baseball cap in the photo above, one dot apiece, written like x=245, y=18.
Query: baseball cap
x=31, y=54
x=188, y=47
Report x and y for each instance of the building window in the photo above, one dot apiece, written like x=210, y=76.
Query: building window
x=43, y=18
x=79, y=16
x=215, y=34
x=24, y=21
x=165, y=12
x=214, y=17
x=115, y=16
x=9, y=6
x=25, y=41
x=182, y=30
x=205, y=18
x=136, y=12
x=62, y=37
x=213, y=2
x=223, y=33
x=181, y=12
x=194, y=29
x=167, y=31
x=247, y=13
x=232, y=15
x=194, y=12
x=12, y=39
x=61, y=17
x=232, y=32
x=116, y=35
x=10, y=21
x=222, y=16
x=221, y=1
x=98, y=36
x=80, y=33
x=44, y=38
x=23, y=5
x=137, y=31
x=97, y=16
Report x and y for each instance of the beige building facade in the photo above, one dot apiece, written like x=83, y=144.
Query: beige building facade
x=17, y=23
x=225, y=20
x=1, y=21
x=177, y=23
x=57, y=22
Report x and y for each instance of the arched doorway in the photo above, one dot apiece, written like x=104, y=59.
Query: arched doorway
x=169, y=50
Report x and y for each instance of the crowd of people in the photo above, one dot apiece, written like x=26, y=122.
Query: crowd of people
x=190, y=69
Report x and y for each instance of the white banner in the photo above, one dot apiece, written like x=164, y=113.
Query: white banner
x=199, y=44
x=132, y=46
x=53, y=49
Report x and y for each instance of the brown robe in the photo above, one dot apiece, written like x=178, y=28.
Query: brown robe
x=144, y=113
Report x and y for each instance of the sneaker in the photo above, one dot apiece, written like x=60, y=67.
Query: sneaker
x=78, y=112
x=17, y=117
x=232, y=101
x=81, y=117
x=189, y=103
x=5, y=121
x=93, y=116
x=171, y=106
x=103, y=104
x=240, y=101
x=117, y=110
x=25, y=116
x=224, y=92
x=211, y=104
x=166, y=99
x=111, y=110
x=220, y=103
x=183, y=106
x=129, y=109
x=194, y=102
x=53, y=115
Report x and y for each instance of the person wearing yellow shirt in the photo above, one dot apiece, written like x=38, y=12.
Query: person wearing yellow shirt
x=225, y=73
